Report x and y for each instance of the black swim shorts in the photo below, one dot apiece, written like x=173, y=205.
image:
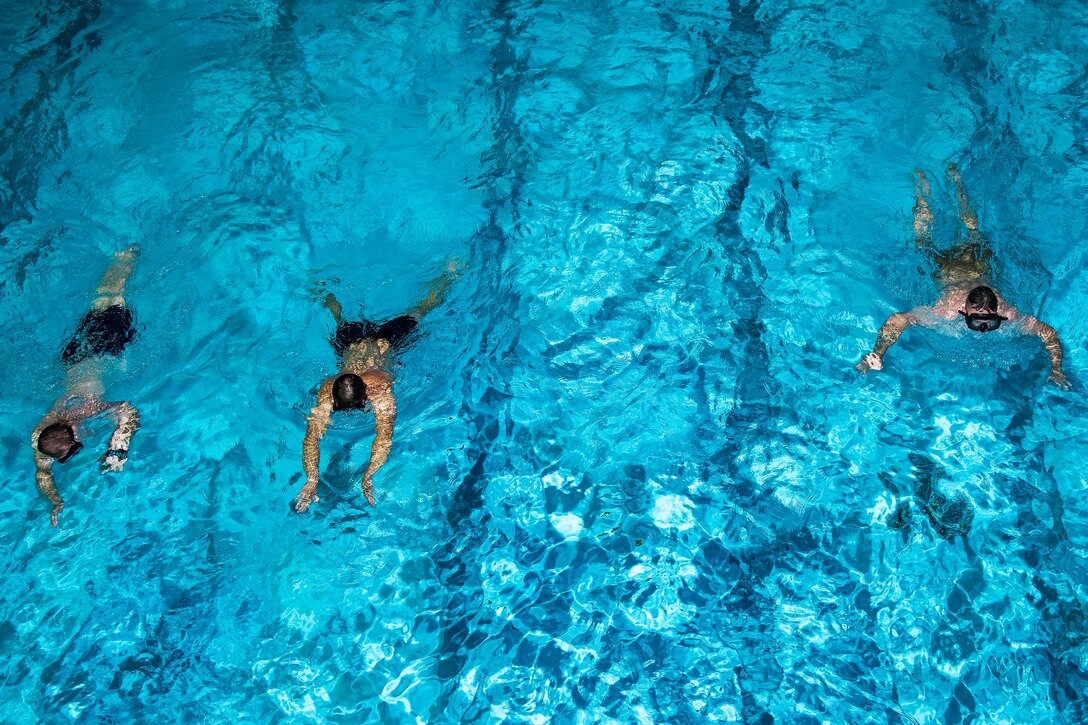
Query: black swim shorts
x=100, y=332
x=396, y=331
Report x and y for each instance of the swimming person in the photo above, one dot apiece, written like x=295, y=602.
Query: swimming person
x=364, y=349
x=963, y=273
x=103, y=333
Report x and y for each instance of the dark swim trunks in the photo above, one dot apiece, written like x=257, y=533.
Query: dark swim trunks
x=100, y=332
x=396, y=331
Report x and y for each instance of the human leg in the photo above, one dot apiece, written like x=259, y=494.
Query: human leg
x=977, y=247
x=111, y=290
x=333, y=305
x=109, y=326
x=923, y=217
x=437, y=290
x=967, y=215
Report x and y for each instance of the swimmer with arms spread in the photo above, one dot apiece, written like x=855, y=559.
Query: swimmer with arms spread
x=103, y=333
x=365, y=350
x=963, y=273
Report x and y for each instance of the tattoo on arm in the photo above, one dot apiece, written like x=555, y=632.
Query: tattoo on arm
x=44, y=478
x=1052, y=344
x=891, y=330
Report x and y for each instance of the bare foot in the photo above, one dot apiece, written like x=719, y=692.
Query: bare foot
x=967, y=215
x=923, y=217
x=333, y=305
x=921, y=183
x=114, y=280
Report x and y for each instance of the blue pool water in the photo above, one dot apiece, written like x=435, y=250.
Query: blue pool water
x=635, y=478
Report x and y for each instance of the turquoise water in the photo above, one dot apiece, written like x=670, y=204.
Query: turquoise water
x=635, y=478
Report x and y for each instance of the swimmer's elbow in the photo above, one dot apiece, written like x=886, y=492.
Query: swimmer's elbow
x=1048, y=333
x=384, y=433
x=315, y=431
x=45, y=483
x=895, y=324
x=903, y=320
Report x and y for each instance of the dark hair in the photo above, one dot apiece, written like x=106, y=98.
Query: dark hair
x=982, y=298
x=349, y=391
x=56, y=440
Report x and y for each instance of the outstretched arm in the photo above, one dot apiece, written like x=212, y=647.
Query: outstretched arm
x=44, y=477
x=128, y=422
x=889, y=332
x=1053, y=347
x=317, y=424
x=385, y=415
x=43, y=473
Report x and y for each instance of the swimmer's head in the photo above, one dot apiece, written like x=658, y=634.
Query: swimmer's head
x=59, y=441
x=980, y=311
x=349, y=391
x=981, y=299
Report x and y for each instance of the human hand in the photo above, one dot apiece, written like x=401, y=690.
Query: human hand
x=872, y=361
x=57, y=508
x=1058, y=378
x=306, y=496
x=113, y=461
x=368, y=490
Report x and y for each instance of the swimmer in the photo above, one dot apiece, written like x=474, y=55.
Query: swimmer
x=103, y=333
x=963, y=273
x=365, y=350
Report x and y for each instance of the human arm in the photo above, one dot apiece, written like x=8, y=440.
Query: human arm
x=44, y=478
x=128, y=422
x=889, y=333
x=385, y=416
x=317, y=423
x=1053, y=345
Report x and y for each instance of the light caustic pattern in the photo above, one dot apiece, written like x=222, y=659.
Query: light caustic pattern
x=635, y=476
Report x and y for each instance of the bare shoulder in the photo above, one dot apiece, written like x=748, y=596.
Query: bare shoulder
x=949, y=304
x=1025, y=323
x=377, y=380
x=1006, y=310
x=53, y=416
x=381, y=397
x=925, y=315
x=324, y=392
x=41, y=461
x=323, y=403
x=48, y=420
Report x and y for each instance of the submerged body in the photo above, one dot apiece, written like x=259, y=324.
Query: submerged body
x=103, y=334
x=964, y=276
x=366, y=359
x=366, y=351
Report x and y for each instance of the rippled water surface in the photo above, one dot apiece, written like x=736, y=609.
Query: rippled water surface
x=635, y=478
